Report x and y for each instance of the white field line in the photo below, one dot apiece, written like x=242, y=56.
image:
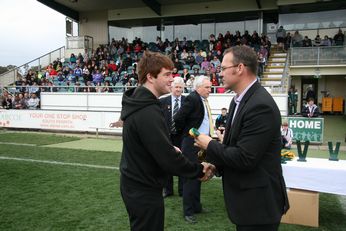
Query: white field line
x=59, y=163
x=18, y=144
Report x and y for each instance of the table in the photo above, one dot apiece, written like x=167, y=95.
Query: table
x=315, y=175
x=320, y=175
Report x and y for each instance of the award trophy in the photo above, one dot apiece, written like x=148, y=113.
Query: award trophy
x=193, y=132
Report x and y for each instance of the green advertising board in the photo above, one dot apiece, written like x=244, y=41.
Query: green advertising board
x=307, y=128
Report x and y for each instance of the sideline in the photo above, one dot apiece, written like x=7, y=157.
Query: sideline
x=11, y=143
x=59, y=163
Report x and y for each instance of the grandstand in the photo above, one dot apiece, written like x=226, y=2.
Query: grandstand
x=122, y=31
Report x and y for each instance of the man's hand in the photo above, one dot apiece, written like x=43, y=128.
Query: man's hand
x=177, y=150
x=117, y=124
x=202, y=141
x=208, y=171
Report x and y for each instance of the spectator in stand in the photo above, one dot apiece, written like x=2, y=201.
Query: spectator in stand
x=97, y=77
x=310, y=109
x=326, y=41
x=107, y=87
x=51, y=71
x=104, y=71
x=317, y=41
x=26, y=99
x=112, y=67
x=190, y=60
x=73, y=58
x=297, y=39
x=307, y=42
x=78, y=72
x=255, y=41
x=211, y=45
x=178, y=64
x=214, y=82
x=199, y=58
x=6, y=101
x=205, y=64
x=288, y=41
x=89, y=87
x=175, y=72
x=18, y=102
x=138, y=48
x=86, y=74
x=280, y=37
x=50, y=87
x=168, y=48
x=185, y=75
x=218, y=46
x=189, y=84
x=71, y=76
x=34, y=88
x=34, y=102
x=339, y=38
x=221, y=89
x=184, y=55
x=261, y=63
x=263, y=51
x=215, y=62
x=177, y=46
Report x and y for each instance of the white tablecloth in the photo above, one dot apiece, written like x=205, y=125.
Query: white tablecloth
x=320, y=175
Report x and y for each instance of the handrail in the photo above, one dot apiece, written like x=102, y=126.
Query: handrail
x=314, y=56
x=10, y=76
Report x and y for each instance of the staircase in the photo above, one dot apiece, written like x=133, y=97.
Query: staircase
x=274, y=70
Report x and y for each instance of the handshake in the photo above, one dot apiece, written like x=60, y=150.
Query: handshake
x=208, y=170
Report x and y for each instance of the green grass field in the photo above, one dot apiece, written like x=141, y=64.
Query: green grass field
x=72, y=183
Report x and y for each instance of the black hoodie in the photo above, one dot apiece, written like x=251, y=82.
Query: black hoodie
x=148, y=155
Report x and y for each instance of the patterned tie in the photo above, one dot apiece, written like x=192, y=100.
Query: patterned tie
x=211, y=123
x=175, y=110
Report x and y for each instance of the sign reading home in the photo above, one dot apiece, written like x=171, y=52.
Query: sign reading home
x=307, y=128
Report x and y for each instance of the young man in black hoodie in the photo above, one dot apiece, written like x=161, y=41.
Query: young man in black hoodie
x=148, y=155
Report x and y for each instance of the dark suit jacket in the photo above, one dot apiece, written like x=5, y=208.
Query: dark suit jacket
x=250, y=161
x=190, y=115
x=167, y=107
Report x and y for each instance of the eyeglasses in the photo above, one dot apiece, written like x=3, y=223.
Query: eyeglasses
x=224, y=68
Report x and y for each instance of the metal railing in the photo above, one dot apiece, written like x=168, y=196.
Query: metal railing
x=10, y=76
x=315, y=56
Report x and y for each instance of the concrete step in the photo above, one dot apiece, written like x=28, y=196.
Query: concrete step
x=275, y=64
x=273, y=69
x=273, y=74
x=270, y=83
x=279, y=55
x=271, y=79
x=278, y=60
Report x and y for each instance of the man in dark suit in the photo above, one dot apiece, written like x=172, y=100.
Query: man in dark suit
x=171, y=105
x=193, y=114
x=249, y=158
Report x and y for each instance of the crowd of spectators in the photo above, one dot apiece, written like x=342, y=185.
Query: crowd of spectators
x=114, y=64
x=287, y=40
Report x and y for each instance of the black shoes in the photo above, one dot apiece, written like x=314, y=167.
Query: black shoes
x=190, y=219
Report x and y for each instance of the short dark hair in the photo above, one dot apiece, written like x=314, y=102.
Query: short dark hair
x=245, y=55
x=152, y=63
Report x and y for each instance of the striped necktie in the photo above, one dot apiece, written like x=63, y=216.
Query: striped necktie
x=175, y=110
x=211, y=124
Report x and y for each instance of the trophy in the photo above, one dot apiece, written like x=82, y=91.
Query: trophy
x=201, y=154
